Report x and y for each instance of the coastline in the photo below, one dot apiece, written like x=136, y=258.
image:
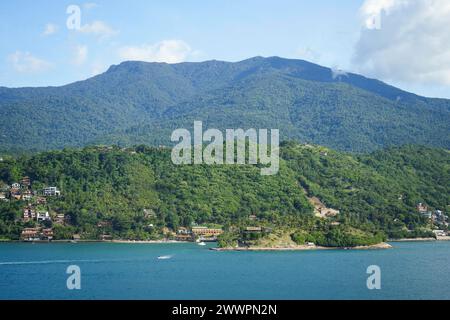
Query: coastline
x=378, y=246
x=383, y=245
x=447, y=238
x=99, y=241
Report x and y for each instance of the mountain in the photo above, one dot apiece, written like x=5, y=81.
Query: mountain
x=138, y=102
x=375, y=192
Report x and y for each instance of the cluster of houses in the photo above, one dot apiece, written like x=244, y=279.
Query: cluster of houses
x=436, y=217
x=22, y=191
x=36, y=234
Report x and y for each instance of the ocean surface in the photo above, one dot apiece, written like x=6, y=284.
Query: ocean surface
x=133, y=271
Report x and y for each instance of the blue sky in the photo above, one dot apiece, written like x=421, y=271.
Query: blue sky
x=39, y=50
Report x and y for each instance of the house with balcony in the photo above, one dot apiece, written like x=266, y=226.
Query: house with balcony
x=206, y=234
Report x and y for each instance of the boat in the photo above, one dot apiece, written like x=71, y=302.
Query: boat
x=202, y=244
x=164, y=257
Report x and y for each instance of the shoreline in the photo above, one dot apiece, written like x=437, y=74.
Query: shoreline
x=99, y=241
x=378, y=246
x=447, y=238
x=384, y=245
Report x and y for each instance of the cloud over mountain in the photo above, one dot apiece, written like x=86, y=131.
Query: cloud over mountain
x=170, y=51
x=411, y=43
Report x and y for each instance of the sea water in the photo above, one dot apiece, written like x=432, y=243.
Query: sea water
x=414, y=270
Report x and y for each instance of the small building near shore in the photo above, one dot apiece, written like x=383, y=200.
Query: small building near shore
x=47, y=234
x=30, y=234
x=253, y=230
x=106, y=237
x=206, y=232
x=76, y=237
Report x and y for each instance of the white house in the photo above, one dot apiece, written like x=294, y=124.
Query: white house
x=43, y=216
x=51, y=191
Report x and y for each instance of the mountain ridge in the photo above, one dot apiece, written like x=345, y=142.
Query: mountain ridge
x=350, y=112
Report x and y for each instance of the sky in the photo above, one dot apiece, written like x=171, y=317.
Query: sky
x=405, y=43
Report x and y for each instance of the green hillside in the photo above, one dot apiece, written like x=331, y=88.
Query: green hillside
x=135, y=193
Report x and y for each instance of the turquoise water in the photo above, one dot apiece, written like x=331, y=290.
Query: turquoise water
x=132, y=271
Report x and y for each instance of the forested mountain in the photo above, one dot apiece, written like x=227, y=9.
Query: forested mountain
x=138, y=102
x=126, y=190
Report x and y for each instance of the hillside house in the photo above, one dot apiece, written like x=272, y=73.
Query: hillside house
x=28, y=214
x=25, y=182
x=440, y=217
x=328, y=212
x=422, y=208
x=51, y=192
x=149, y=213
x=41, y=200
x=43, y=216
x=60, y=218
x=104, y=224
x=427, y=214
x=16, y=196
x=253, y=230
x=27, y=195
x=15, y=187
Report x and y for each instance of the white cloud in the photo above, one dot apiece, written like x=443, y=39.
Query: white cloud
x=50, y=29
x=337, y=73
x=412, y=44
x=80, y=55
x=25, y=62
x=170, y=51
x=373, y=9
x=98, y=28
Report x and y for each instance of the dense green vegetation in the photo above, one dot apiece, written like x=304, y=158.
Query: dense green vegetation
x=136, y=193
x=141, y=103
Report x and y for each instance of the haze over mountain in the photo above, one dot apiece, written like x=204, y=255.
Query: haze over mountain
x=139, y=102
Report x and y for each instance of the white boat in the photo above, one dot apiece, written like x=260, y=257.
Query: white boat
x=164, y=257
x=202, y=244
